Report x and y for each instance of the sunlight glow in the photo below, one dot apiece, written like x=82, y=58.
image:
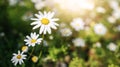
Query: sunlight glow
x=75, y=5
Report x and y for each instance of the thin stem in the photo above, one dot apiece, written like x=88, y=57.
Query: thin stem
x=41, y=48
x=31, y=53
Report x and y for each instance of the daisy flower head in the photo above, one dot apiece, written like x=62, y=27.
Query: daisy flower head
x=33, y=39
x=100, y=29
x=24, y=48
x=45, y=22
x=34, y=59
x=79, y=42
x=112, y=46
x=18, y=58
x=97, y=44
x=65, y=32
x=77, y=24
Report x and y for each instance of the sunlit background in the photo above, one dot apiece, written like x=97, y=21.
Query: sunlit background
x=88, y=34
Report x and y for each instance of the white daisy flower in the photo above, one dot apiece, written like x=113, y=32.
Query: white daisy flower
x=33, y=39
x=65, y=32
x=77, y=24
x=100, y=9
x=100, y=29
x=111, y=19
x=62, y=25
x=116, y=13
x=79, y=42
x=18, y=58
x=51, y=37
x=39, y=4
x=114, y=4
x=97, y=44
x=112, y=46
x=45, y=21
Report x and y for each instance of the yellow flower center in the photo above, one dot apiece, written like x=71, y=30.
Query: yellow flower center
x=45, y=21
x=33, y=40
x=24, y=48
x=18, y=56
x=34, y=59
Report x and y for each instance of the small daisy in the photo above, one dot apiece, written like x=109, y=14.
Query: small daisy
x=45, y=21
x=100, y=29
x=100, y=9
x=114, y=4
x=39, y=4
x=24, y=48
x=51, y=37
x=33, y=39
x=112, y=46
x=79, y=42
x=18, y=58
x=62, y=25
x=65, y=32
x=34, y=59
x=111, y=19
x=97, y=44
x=77, y=24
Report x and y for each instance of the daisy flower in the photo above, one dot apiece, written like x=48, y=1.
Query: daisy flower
x=111, y=19
x=79, y=42
x=100, y=29
x=24, y=48
x=65, y=32
x=97, y=44
x=100, y=9
x=33, y=39
x=18, y=58
x=112, y=46
x=34, y=59
x=77, y=24
x=45, y=21
x=39, y=4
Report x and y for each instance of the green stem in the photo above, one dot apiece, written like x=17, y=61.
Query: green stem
x=31, y=53
x=41, y=48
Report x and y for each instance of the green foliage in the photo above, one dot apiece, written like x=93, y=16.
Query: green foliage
x=77, y=62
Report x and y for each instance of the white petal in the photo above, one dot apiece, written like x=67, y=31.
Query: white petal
x=45, y=30
x=34, y=23
x=56, y=24
x=15, y=63
x=51, y=15
x=34, y=19
x=41, y=29
x=53, y=27
x=28, y=37
x=35, y=27
x=49, y=30
x=38, y=16
x=54, y=19
x=36, y=36
x=45, y=12
x=40, y=13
